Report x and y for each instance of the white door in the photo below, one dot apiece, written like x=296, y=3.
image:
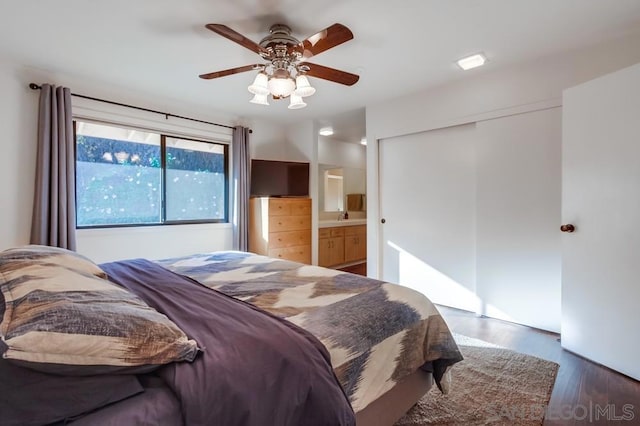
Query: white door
x=601, y=198
x=427, y=201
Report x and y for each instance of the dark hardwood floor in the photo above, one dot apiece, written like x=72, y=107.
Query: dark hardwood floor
x=583, y=389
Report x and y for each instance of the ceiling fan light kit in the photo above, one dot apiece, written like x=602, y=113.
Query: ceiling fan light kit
x=259, y=85
x=260, y=99
x=284, y=74
x=303, y=87
x=281, y=84
x=296, y=102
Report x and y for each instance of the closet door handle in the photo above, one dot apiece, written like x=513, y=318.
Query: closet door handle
x=568, y=228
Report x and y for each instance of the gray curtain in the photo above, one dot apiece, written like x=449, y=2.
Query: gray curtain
x=54, y=212
x=241, y=186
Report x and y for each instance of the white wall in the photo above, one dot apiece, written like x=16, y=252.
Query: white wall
x=303, y=141
x=153, y=242
x=269, y=141
x=481, y=96
x=18, y=119
x=339, y=153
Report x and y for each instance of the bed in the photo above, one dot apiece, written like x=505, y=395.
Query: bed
x=278, y=342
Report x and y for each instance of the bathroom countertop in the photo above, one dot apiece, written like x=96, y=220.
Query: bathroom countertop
x=343, y=222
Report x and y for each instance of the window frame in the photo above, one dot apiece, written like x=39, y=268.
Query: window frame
x=163, y=154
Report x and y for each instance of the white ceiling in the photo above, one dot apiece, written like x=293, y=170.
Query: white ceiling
x=159, y=47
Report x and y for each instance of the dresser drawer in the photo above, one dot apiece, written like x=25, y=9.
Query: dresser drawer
x=279, y=207
x=300, y=254
x=300, y=207
x=289, y=223
x=289, y=238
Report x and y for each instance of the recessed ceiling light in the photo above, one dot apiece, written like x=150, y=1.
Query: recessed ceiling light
x=326, y=131
x=363, y=141
x=472, y=61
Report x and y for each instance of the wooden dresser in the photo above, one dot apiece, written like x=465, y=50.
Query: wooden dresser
x=281, y=228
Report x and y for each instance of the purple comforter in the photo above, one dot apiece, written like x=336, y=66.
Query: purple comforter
x=255, y=369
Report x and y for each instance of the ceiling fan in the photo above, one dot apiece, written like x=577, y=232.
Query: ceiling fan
x=285, y=70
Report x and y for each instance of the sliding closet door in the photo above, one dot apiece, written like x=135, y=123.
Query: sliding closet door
x=601, y=198
x=427, y=201
x=518, y=250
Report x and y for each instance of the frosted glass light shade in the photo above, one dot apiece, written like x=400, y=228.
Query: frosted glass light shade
x=259, y=99
x=296, y=102
x=259, y=86
x=303, y=88
x=281, y=87
x=472, y=61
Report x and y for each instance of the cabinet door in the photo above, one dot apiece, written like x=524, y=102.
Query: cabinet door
x=351, y=248
x=324, y=252
x=362, y=246
x=355, y=243
x=330, y=251
x=337, y=250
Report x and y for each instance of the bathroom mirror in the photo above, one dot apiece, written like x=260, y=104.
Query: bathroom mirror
x=336, y=183
x=333, y=190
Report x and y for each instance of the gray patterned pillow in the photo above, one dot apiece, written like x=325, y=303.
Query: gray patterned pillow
x=67, y=320
x=55, y=255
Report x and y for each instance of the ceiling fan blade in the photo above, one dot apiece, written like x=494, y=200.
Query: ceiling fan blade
x=323, y=40
x=235, y=36
x=231, y=71
x=331, y=74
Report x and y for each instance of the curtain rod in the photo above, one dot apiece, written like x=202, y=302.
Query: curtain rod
x=34, y=86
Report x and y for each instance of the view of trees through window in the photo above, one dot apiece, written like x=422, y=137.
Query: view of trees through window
x=195, y=184
x=120, y=178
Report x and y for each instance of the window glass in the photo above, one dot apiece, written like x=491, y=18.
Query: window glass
x=196, y=180
x=118, y=176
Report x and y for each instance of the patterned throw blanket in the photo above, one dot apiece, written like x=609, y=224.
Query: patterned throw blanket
x=377, y=333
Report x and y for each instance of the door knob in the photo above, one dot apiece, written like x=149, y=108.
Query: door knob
x=568, y=228
x=383, y=221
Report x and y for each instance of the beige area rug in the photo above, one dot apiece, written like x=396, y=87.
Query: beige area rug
x=492, y=386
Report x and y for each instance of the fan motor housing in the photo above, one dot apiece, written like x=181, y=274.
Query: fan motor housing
x=279, y=40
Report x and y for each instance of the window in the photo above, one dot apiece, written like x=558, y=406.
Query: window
x=134, y=177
